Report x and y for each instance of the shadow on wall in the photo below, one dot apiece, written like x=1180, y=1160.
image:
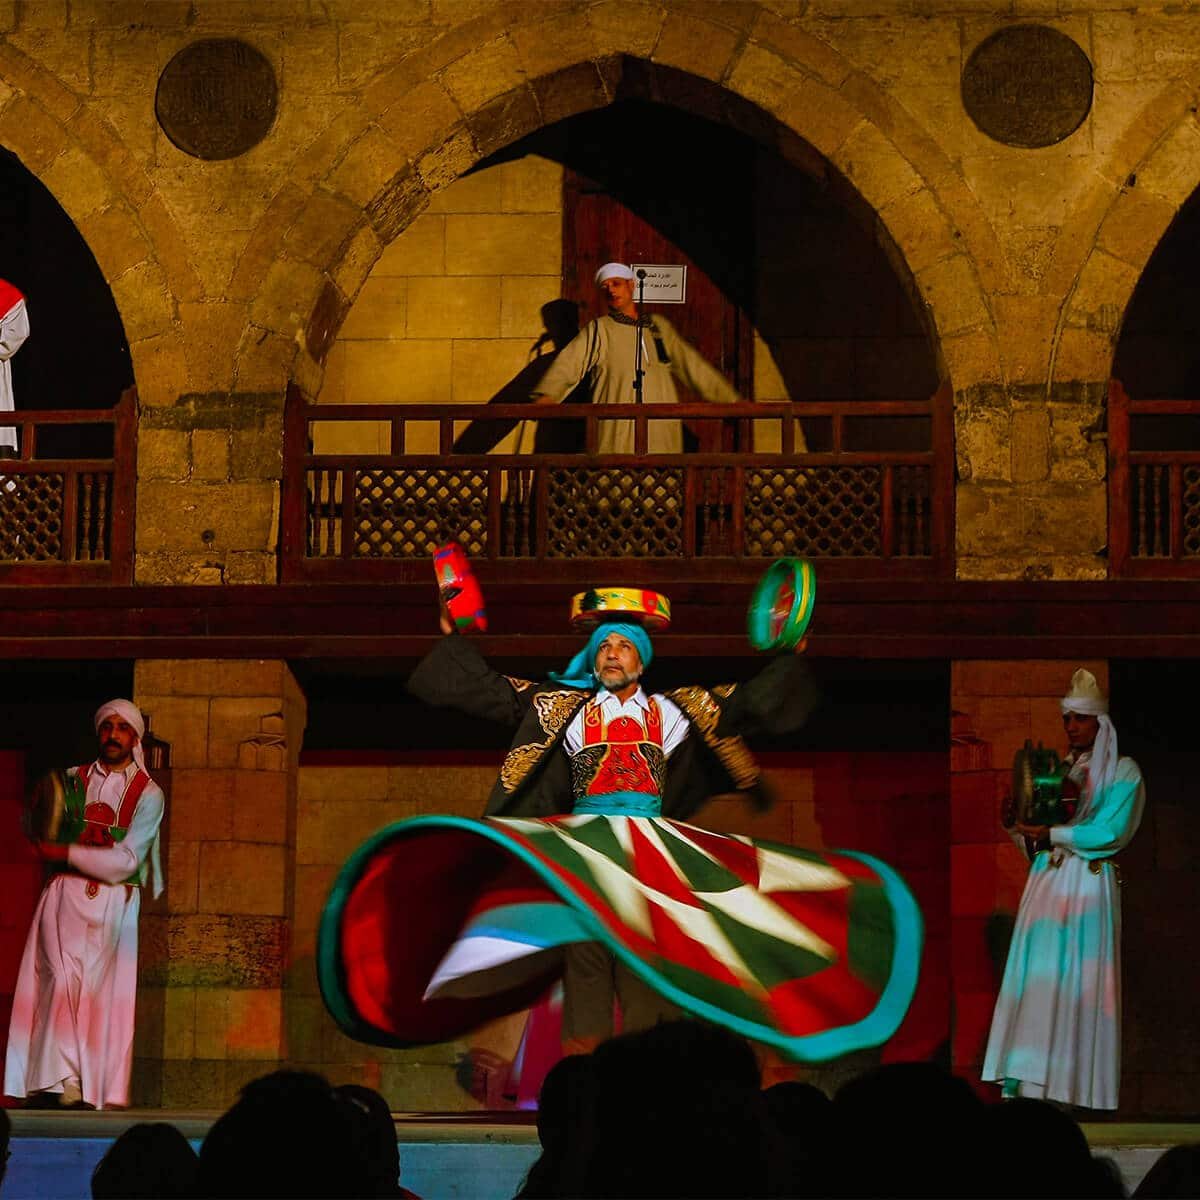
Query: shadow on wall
x=561, y=321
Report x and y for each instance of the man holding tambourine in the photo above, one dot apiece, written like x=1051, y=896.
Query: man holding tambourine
x=585, y=870
x=70, y=1040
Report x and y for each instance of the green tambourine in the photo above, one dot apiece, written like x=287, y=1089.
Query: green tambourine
x=782, y=604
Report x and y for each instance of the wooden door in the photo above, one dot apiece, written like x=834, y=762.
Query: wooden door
x=599, y=227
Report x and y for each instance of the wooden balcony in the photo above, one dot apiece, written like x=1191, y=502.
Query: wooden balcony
x=1154, y=487
x=864, y=488
x=67, y=499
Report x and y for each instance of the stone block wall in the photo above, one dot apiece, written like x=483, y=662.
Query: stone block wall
x=1032, y=500
x=451, y=311
x=214, y=965
x=233, y=276
x=209, y=468
x=338, y=809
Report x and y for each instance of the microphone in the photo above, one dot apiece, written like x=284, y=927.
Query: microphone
x=641, y=274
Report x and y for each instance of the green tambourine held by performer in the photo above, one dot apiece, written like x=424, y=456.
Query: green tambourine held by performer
x=782, y=605
x=442, y=922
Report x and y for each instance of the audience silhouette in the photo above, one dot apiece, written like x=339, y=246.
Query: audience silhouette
x=1055, y=1159
x=375, y=1134
x=673, y=1111
x=566, y=1125
x=288, y=1135
x=1175, y=1174
x=150, y=1161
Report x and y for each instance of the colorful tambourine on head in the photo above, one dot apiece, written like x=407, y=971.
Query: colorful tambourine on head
x=782, y=605
x=651, y=610
x=459, y=588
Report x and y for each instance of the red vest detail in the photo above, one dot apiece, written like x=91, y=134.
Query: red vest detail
x=625, y=754
x=102, y=826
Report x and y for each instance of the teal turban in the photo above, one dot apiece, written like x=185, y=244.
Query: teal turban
x=580, y=671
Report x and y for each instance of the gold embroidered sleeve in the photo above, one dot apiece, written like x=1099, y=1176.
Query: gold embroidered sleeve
x=701, y=708
x=519, y=685
x=518, y=763
x=555, y=709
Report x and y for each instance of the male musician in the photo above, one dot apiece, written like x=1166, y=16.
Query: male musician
x=604, y=352
x=1056, y=1032
x=71, y=1036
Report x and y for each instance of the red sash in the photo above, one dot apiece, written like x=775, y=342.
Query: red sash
x=97, y=813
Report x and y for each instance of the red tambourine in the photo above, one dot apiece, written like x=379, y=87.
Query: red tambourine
x=459, y=588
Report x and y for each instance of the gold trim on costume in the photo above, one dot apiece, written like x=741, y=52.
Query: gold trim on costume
x=517, y=764
x=519, y=685
x=554, y=710
x=703, y=711
x=724, y=690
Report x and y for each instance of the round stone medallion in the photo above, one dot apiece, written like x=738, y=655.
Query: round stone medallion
x=1027, y=86
x=216, y=98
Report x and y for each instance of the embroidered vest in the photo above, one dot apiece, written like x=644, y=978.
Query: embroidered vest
x=621, y=760
x=95, y=823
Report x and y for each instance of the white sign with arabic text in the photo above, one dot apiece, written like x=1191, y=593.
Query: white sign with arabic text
x=664, y=284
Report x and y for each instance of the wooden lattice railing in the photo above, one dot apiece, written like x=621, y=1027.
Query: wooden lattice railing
x=871, y=494
x=66, y=518
x=1153, y=487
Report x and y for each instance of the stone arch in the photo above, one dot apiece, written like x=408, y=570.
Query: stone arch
x=99, y=185
x=1149, y=177
x=431, y=118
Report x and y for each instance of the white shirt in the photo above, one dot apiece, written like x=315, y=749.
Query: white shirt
x=675, y=724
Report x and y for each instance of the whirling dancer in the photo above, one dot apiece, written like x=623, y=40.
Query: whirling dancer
x=584, y=868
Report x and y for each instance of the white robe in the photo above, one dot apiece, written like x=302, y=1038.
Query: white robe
x=1057, y=1024
x=73, y=1010
x=604, y=351
x=14, y=329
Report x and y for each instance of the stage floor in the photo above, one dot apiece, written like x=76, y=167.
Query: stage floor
x=453, y=1156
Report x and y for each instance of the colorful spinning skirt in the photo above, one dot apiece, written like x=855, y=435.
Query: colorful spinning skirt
x=440, y=923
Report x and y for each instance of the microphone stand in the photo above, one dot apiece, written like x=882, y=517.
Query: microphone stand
x=638, y=372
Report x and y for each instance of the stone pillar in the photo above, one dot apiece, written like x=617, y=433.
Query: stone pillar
x=1032, y=500
x=214, y=951
x=996, y=706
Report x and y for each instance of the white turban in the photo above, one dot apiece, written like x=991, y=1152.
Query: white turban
x=613, y=270
x=132, y=716
x=1086, y=699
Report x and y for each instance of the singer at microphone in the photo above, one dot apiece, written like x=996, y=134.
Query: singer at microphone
x=607, y=352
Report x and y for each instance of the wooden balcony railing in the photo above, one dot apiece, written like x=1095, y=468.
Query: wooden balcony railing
x=1153, y=487
x=65, y=518
x=870, y=495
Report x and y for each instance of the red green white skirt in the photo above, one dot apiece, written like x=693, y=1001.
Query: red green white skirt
x=440, y=923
